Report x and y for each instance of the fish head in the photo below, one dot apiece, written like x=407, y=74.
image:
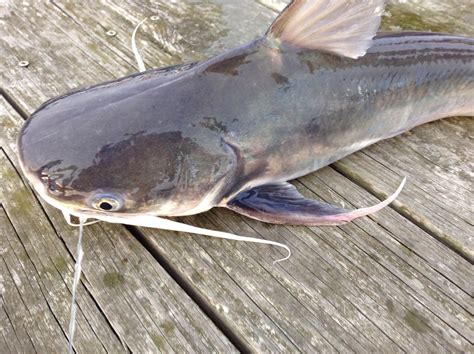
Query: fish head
x=107, y=150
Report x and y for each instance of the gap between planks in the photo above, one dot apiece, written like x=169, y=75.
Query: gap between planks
x=425, y=226
x=189, y=289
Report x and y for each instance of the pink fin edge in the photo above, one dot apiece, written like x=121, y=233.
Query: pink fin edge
x=344, y=218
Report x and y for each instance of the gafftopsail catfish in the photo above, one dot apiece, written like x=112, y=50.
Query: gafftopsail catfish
x=232, y=130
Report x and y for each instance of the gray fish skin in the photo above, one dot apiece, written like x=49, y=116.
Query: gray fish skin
x=313, y=109
x=182, y=140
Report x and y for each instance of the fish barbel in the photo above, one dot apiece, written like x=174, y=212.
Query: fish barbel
x=232, y=130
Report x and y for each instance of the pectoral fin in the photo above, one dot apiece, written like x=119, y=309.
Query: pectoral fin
x=282, y=204
x=342, y=27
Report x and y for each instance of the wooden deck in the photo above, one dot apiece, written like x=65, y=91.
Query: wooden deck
x=400, y=280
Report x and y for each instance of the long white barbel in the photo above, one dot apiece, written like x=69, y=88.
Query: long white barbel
x=67, y=216
x=75, y=284
x=166, y=224
x=138, y=58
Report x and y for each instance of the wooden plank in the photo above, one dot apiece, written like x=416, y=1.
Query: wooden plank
x=55, y=63
x=10, y=340
x=254, y=304
x=23, y=307
x=400, y=260
x=36, y=296
x=383, y=302
x=404, y=239
x=436, y=198
x=175, y=32
x=444, y=16
x=358, y=287
x=437, y=16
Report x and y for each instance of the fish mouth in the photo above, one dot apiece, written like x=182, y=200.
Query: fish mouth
x=70, y=209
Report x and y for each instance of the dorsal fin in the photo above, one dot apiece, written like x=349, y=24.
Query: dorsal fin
x=342, y=27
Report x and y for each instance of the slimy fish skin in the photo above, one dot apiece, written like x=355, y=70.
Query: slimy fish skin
x=233, y=130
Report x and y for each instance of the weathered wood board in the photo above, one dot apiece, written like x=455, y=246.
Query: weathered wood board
x=397, y=281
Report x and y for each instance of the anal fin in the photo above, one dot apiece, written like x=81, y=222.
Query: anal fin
x=281, y=203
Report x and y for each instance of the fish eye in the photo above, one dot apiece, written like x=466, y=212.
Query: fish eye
x=107, y=203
